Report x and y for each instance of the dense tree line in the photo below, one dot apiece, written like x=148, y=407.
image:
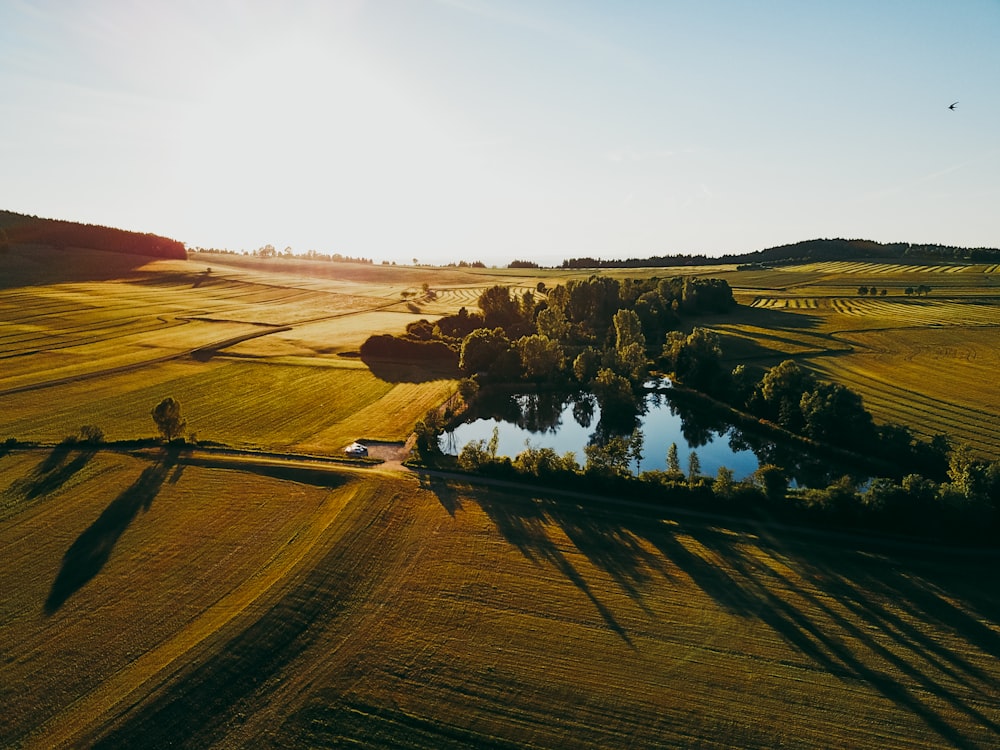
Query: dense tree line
x=807, y=251
x=840, y=249
x=20, y=228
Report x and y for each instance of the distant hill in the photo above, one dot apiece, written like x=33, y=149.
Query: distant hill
x=804, y=252
x=19, y=228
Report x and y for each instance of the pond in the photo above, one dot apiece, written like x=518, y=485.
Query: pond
x=568, y=422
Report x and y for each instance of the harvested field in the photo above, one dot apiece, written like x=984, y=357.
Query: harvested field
x=438, y=615
x=228, y=599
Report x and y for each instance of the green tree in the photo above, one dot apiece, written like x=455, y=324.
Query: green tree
x=552, y=322
x=168, y=419
x=694, y=468
x=674, y=462
x=586, y=365
x=540, y=356
x=630, y=346
x=835, y=414
x=694, y=359
x=635, y=445
x=428, y=432
x=772, y=480
x=494, y=445
x=613, y=392
x=781, y=390
x=609, y=459
x=481, y=349
x=724, y=484
x=501, y=310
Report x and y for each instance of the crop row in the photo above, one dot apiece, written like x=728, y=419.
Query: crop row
x=895, y=390
x=915, y=312
x=879, y=269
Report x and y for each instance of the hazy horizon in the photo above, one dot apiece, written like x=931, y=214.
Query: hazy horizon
x=447, y=130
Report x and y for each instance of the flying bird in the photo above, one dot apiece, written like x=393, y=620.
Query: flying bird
x=952, y=106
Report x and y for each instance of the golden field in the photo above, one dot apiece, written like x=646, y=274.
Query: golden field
x=192, y=599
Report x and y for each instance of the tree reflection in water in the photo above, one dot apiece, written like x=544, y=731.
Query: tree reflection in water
x=563, y=421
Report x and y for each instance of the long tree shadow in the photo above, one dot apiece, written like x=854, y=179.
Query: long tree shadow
x=523, y=523
x=847, y=648
x=845, y=612
x=55, y=469
x=88, y=554
x=446, y=495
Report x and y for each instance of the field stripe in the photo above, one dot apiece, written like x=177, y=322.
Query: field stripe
x=66, y=728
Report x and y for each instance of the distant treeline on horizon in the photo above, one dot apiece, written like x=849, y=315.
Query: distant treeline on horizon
x=20, y=228
x=804, y=252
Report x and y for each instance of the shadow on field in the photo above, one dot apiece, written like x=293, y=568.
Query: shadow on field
x=770, y=318
x=525, y=525
x=316, y=476
x=920, y=634
x=404, y=372
x=856, y=615
x=57, y=468
x=210, y=697
x=87, y=555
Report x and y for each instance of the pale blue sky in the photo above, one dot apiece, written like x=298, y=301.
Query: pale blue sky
x=501, y=129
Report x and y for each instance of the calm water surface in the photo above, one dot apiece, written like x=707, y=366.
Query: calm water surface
x=571, y=422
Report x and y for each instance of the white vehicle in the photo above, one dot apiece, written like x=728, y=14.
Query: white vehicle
x=356, y=450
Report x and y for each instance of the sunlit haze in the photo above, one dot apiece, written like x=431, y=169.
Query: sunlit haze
x=496, y=130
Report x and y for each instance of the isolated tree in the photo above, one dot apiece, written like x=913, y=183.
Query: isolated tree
x=674, y=462
x=694, y=468
x=862, y=291
x=168, y=419
x=91, y=434
x=635, y=445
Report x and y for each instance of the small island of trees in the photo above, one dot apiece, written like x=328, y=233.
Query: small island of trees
x=608, y=336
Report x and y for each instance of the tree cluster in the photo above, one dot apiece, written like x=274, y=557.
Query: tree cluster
x=596, y=333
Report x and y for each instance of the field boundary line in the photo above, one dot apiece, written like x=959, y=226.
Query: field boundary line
x=139, y=365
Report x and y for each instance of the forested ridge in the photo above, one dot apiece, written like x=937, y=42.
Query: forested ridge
x=20, y=228
x=805, y=251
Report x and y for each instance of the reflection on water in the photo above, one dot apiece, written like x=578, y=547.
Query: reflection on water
x=566, y=422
